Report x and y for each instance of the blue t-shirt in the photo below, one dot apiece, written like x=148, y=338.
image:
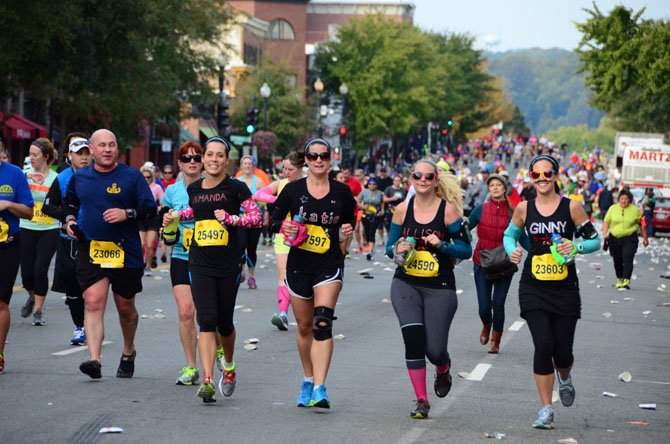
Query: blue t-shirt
x=13, y=187
x=94, y=192
x=176, y=197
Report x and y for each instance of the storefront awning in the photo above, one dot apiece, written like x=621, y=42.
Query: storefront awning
x=16, y=126
x=185, y=135
x=208, y=128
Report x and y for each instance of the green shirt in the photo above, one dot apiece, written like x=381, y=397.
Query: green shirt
x=623, y=221
x=40, y=221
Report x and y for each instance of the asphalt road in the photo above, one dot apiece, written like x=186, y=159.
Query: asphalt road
x=44, y=397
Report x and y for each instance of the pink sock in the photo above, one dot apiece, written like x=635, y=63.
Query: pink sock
x=418, y=378
x=283, y=298
x=442, y=368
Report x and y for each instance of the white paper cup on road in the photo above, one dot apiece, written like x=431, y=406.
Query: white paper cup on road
x=625, y=377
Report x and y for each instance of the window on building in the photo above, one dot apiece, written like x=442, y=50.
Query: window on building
x=280, y=30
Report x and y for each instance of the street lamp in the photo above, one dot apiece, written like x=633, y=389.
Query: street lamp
x=344, y=92
x=222, y=117
x=265, y=94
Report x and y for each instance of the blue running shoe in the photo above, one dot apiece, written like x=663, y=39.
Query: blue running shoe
x=320, y=398
x=545, y=419
x=305, y=395
x=79, y=337
x=566, y=391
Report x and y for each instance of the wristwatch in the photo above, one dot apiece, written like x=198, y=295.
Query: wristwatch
x=131, y=214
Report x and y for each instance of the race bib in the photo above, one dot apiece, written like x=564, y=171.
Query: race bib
x=106, y=254
x=187, y=239
x=39, y=217
x=317, y=240
x=423, y=264
x=210, y=233
x=545, y=268
x=4, y=231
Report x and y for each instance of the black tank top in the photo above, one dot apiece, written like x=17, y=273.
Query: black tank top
x=429, y=268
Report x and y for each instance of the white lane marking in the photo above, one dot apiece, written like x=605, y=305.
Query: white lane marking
x=69, y=351
x=652, y=382
x=479, y=372
x=516, y=326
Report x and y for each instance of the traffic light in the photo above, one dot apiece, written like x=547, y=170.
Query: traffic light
x=336, y=155
x=343, y=131
x=252, y=120
x=450, y=122
x=223, y=119
x=445, y=131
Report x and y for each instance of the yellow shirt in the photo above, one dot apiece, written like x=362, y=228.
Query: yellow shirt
x=623, y=221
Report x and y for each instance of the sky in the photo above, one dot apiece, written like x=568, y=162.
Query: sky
x=516, y=24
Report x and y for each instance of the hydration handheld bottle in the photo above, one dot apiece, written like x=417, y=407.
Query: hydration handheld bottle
x=560, y=259
x=171, y=230
x=403, y=258
x=298, y=219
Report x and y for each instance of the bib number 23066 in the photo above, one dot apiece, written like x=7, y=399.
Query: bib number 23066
x=106, y=254
x=545, y=268
x=210, y=233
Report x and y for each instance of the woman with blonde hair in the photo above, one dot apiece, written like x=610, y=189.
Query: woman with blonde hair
x=149, y=228
x=427, y=236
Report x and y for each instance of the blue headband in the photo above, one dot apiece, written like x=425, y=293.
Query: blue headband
x=220, y=140
x=550, y=159
x=317, y=141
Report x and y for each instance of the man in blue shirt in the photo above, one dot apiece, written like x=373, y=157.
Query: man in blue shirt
x=16, y=203
x=112, y=197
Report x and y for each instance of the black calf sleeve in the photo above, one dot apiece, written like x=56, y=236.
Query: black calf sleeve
x=414, y=336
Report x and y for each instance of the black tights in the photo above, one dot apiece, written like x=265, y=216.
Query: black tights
x=370, y=223
x=248, y=241
x=623, y=251
x=553, y=336
x=214, y=299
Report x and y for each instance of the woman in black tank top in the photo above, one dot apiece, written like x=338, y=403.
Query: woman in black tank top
x=423, y=289
x=549, y=290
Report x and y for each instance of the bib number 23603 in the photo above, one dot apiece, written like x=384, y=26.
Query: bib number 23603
x=545, y=268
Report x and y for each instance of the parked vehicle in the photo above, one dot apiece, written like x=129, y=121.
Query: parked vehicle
x=661, y=219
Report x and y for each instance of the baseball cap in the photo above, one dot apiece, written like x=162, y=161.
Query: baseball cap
x=78, y=144
x=500, y=177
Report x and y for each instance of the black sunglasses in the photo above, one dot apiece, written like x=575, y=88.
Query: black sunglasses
x=325, y=156
x=187, y=158
x=167, y=172
x=417, y=175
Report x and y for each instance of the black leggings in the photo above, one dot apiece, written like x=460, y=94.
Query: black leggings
x=370, y=224
x=11, y=257
x=248, y=238
x=37, y=250
x=553, y=336
x=214, y=299
x=623, y=251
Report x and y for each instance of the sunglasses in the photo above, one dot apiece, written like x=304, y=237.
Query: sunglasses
x=187, y=158
x=147, y=177
x=535, y=175
x=417, y=175
x=167, y=172
x=325, y=156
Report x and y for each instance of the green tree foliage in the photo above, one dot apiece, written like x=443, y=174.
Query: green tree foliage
x=287, y=114
x=627, y=61
x=517, y=124
x=545, y=87
x=582, y=139
x=109, y=63
x=400, y=77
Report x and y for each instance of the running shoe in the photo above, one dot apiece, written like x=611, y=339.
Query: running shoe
x=619, y=283
x=320, y=398
x=189, y=376
x=421, y=409
x=251, y=282
x=442, y=384
x=305, y=395
x=91, y=368
x=566, y=391
x=357, y=250
x=368, y=256
x=626, y=284
x=207, y=392
x=227, y=382
x=154, y=263
x=347, y=256
x=545, y=418
x=163, y=258
x=27, y=308
x=38, y=319
x=148, y=272
x=126, y=366
x=219, y=357
x=280, y=321
x=2, y=363
x=79, y=337
x=242, y=278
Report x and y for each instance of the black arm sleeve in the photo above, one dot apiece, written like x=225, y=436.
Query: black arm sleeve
x=71, y=202
x=145, y=212
x=53, y=203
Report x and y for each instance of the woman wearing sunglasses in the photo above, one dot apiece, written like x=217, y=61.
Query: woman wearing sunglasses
x=370, y=202
x=549, y=289
x=423, y=292
x=214, y=259
x=314, y=269
x=149, y=228
x=292, y=169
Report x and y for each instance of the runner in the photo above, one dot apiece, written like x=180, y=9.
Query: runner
x=314, y=269
x=548, y=290
x=65, y=272
x=214, y=259
x=176, y=198
x=112, y=197
x=370, y=203
x=356, y=189
x=149, y=228
x=292, y=169
x=423, y=292
x=16, y=202
x=39, y=236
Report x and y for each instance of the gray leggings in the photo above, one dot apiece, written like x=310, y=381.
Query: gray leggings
x=425, y=316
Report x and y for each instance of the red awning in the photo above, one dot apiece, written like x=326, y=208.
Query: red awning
x=16, y=126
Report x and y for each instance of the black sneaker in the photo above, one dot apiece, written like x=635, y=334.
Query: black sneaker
x=442, y=384
x=27, y=308
x=126, y=366
x=154, y=263
x=91, y=368
x=421, y=409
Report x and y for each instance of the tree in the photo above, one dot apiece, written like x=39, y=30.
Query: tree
x=287, y=114
x=582, y=139
x=627, y=61
x=517, y=124
x=110, y=63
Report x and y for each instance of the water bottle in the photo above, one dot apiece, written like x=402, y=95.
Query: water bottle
x=171, y=230
x=297, y=219
x=558, y=257
x=401, y=259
